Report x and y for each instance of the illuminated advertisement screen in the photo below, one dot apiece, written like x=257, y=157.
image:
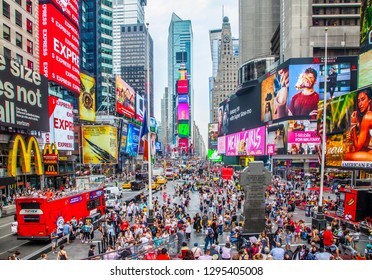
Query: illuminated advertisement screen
x=277, y=136
x=132, y=139
x=100, y=144
x=249, y=142
x=183, y=111
x=221, y=145
x=338, y=80
x=303, y=90
x=140, y=107
x=59, y=48
x=302, y=137
x=212, y=136
x=157, y=146
x=123, y=140
x=267, y=99
x=214, y=156
x=335, y=150
x=87, y=98
x=183, y=130
x=183, y=145
x=23, y=102
x=365, y=66
x=61, y=124
x=183, y=98
x=182, y=74
x=365, y=26
x=182, y=86
x=125, y=98
x=70, y=8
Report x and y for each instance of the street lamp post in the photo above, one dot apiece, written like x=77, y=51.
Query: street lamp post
x=319, y=220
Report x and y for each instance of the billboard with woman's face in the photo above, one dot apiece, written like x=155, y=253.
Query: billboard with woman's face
x=267, y=99
x=125, y=98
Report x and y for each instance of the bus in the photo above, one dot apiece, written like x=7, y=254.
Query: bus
x=37, y=217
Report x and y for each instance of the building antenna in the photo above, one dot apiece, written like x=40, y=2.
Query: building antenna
x=223, y=11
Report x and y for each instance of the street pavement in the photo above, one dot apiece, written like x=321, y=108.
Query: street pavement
x=77, y=250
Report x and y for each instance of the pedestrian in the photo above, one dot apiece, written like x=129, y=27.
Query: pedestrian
x=43, y=256
x=54, y=241
x=67, y=229
x=196, y=251
x=62, y=254
x=209, y=236
x=91, y=253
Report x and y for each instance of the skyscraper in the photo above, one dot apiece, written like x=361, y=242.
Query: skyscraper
x=125, y=12
x=180, y=41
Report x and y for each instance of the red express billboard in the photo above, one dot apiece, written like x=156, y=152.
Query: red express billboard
x=183, y=86
x=59, y=48
x=69, y=7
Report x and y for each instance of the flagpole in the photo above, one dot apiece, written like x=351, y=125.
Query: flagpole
x=150, y=219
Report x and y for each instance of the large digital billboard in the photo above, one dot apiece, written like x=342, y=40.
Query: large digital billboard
x=183, y=129
x=212, y=136
x=70, y=8
x=267, y=99
x=182, y=86
x=61, y=124
x=214, y=156
x=140, y=107
x=240, y=112
x=23, y=97
x=277, y=136
x=183, y=98
x=248, y=142
x=125, y=98
x=59, y=48
x=183, y=111
x=87, y=98
x=100, y=144
x=302, y=137
x=221, y=145
x=338, y=79
x=123, y=140
x=183, y=145
x=133, y=139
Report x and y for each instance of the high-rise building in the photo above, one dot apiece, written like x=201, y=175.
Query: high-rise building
x=258, y=21
x=180, y=41
x=20, y=32
x=225, y=82
x=96, y=49
x=136, y=51
x=164, y=119
x=124, y=12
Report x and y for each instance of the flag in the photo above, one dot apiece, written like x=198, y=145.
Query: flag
x=320, y=154
x=144, y=134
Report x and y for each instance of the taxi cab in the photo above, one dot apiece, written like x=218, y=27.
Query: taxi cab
x=154, y=186
x=126, y=185
x=161, y=180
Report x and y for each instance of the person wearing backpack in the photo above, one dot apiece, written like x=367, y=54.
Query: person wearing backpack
x=209, y=236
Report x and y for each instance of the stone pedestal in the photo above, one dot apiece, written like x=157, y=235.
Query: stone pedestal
x=255, y=178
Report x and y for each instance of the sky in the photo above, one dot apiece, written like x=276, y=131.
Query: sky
x=205, y=15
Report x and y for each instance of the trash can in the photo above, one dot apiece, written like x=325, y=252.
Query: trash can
x=308, y=210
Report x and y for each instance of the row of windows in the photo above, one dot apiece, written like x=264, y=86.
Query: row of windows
x=18, y=39
x=333, y=1
x=18, y=17
x=18, y=58
x=129, y=28
x=335, y=11
x=336, y=22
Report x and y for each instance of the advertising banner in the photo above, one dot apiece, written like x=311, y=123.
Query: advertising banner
x=182, y=86
x=87, y=98
x=338, y=79
x=123, y=140
x=335, y=150
x=183, y=111
x=249, y=142
x=153, y=126
x=267, y=99
x=59, y=48
x=23, y=97
x=270, y=149
x=100, y=144
x=240, y=112
x=133, y=140
x=183, y=98
x=281, y=84
x=70, y=8
x=214, y=156
x=125, y=98
x=61, y=124
x=303, y=91
x=140, y=107
x=277, y=136
x=302, y=137
x=212, y=136
x=365, y=50
x=183, y=129
x=221, y=145
x=183, y=145
x=157, y=146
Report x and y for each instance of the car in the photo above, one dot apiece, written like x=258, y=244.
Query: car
x=154, y=186
x=161, y=180
x=110, y=201
x=126, y=185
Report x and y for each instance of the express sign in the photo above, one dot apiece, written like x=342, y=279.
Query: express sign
x=70, y=8
x=59, y=43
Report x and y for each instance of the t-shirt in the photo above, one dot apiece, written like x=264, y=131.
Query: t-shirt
x=327, y=238
x=303, y=105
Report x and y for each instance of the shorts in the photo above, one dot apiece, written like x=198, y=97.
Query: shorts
x=332, y=248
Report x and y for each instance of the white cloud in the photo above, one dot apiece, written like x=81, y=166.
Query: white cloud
x=204, y=15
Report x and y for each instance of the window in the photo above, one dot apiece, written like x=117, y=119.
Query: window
x=19, y=59
x=7, y=52
x=6, y=32
x=6, y=9
x=19, y=2
x=29, y=26
x=30, y=64
x=18, y=40
x=29, y=6
x=18, y=18
x=30, y=47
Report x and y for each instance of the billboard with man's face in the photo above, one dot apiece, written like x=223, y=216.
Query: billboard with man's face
x=125, y=98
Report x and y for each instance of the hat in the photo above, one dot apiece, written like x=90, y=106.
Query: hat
x=196, y=244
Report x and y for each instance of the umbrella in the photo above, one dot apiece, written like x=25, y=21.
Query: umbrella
x=318, y=189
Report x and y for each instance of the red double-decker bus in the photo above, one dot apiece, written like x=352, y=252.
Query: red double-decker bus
x=38, y=217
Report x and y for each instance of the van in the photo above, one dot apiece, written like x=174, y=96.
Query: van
x=112, y=190
x=169, y=173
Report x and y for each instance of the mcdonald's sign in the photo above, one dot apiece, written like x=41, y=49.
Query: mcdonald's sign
x=50, y=154
x=50, y=169
x=28, y=149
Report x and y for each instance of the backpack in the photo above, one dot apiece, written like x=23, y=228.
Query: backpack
x=342, y=239
x=210, y=232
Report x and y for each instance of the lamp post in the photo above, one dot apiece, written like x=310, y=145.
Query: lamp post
x=81, y=156
x=319, y=221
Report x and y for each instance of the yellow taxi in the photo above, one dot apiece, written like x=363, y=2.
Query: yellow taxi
x=154, y=186
x=126, y=185
x=161, y=180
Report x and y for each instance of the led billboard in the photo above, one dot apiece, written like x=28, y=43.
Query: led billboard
x=183, y=98
x=302, y=137
x=100, y=144
x=133, y=139
x=267, y=99
x=221, y=145
x=183, y=145
x=140, y=107
x=182, y=86
x=59, y=48
x=23, y=97
x=61, y=124
x=249, y=142
x=183, y=129
x=183, y=111
x=277, y=136
x=214, y=156
x=70, y=8
x=125, y=98
x=123, y=139
x=212, y=136
x=87, y=98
